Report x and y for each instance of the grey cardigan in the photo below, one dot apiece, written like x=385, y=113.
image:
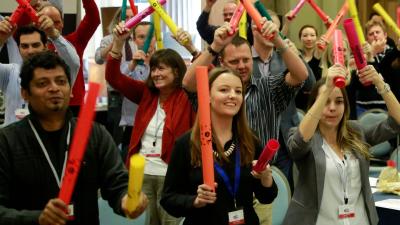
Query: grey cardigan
x=310, y=160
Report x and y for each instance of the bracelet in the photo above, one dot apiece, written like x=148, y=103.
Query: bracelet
x=386, y=89
x=116, y=55
x=194, y=53
x=212, y=51
x=312, y=116
x=283, y=49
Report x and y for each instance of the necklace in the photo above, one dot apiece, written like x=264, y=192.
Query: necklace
x=228, y=152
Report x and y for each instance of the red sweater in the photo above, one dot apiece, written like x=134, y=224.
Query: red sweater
x=79, y=39
x=179, y=114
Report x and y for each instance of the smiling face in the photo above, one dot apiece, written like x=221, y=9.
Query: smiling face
x=334, y=109
x=308, y=37
x=163, y=77
x=226, y=95
x=49, y=91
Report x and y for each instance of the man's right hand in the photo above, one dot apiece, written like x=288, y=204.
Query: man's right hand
x=209, y=5
x=222, y=37
x=6, y=30
x=54, y=213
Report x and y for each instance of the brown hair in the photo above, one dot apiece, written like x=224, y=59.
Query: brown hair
x=170, y=58
x=242, y=134
x=347, y=137
x=307, y=26
x=327, y=61
x=236, y=41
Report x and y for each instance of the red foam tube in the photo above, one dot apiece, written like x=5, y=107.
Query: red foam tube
x=16, y=15
x=203, y=95
x=234, y=22
x=267, y=154
x=141, y=15
x=296, y=9
x=334, y=24
x=78, y=144
x=320, y=12
x=355, y=45
x=28, y=9
x=255, y=15
x=133, y=7
x=398, y=15
x=338, y=56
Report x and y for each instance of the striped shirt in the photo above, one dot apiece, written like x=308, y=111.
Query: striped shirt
x=266, y=98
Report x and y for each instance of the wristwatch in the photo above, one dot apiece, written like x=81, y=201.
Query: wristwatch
x=385, y=89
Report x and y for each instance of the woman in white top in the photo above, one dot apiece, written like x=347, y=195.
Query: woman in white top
x=332, y=155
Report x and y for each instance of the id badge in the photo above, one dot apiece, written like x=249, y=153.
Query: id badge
x=21, y=113
x=346, y=211
x=71, y=212
x=236, y=217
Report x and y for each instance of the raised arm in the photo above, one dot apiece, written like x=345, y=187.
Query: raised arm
x=103, y=50
x=309, y=123
x=221, y=39
x=130, y=88
x=64, y=49
x=370, y=74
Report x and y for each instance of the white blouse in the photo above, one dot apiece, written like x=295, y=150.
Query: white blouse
x=340, y=176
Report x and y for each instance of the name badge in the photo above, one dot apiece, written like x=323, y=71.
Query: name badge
x=21, y=113
x=346, y=211
x=71, y=212
x=236, y=217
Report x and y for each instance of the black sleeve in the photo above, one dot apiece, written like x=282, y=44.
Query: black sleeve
x=113, y=176
x=175, y=198
x=10, y=215
x=205, y=30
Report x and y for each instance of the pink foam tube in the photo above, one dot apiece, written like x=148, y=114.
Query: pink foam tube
x=321, y=14
x=203, y=95
x=338, y=57
x=296, y=9
x=234, y=22
x=28, y=9
x=267, y=154
x=141, y=15
x=78, y=144
x=255, y=15
x=334, y=24
x=355, y=45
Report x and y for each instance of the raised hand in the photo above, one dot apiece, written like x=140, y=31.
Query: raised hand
x=222, y=37
x=6, y=30
x=46, y=24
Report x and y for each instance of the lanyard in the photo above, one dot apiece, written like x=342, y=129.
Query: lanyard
x=46, y=154
x=342, y=168
x=225, y=177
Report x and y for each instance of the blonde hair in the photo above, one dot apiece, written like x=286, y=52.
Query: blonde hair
x=327, y=60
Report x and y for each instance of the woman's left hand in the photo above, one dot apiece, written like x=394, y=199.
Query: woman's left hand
x=265, y=176
x=369, y=74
